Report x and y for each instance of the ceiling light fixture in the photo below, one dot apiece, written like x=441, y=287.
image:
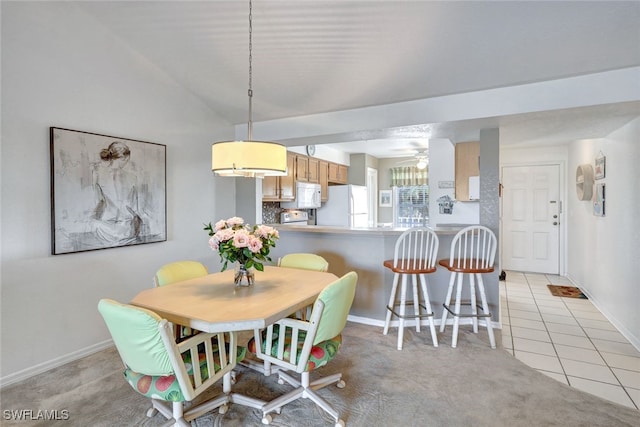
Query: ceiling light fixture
x=249, y=158
x=423, y=160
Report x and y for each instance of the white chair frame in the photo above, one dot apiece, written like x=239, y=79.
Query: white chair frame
x=304, y=387
x=473, y=252
x=415, y=250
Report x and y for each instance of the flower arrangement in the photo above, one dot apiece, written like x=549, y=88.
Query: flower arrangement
x=236, y=241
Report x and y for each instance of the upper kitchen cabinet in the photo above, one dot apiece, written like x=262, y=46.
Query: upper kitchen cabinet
x=281, y=188
x=314, y=170
x=323, y=179
x=307, y=169
x=337, y=173
x=467, y=163
x=302, y=168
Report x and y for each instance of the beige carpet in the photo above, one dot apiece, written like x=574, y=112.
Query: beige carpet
x=419, y=386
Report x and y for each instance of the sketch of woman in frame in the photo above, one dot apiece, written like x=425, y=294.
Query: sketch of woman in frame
x=106, y=192
x=116, y=218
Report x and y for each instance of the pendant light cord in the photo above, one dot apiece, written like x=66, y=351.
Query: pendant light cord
x=250, y=92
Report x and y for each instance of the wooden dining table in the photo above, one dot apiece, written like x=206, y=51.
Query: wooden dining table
x=213, y=303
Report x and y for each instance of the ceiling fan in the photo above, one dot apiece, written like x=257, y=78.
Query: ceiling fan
x=421, y=159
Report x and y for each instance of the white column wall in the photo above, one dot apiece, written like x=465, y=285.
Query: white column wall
x=62, y=68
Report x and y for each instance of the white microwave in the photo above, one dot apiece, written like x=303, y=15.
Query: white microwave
x=307, y=196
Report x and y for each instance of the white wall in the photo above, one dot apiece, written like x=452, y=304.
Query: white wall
x=61, y=68
x=604, y=251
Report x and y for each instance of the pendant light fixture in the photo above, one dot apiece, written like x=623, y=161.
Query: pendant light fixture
x=249, y=158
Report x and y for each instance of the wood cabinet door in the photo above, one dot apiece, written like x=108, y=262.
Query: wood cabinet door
x=338, y=173
x=288, y=182
x=467, y=164
x=333, y=172
x=270, y=187
x=302, y=168
x=343, y=171
x=323, y=178
x=314, y=170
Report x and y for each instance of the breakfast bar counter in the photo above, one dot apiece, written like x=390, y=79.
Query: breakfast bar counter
x=364, y=250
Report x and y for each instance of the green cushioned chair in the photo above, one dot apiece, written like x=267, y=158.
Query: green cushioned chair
x=303, y=261
x=303, y=346
x=177, y=272
x=167, y=372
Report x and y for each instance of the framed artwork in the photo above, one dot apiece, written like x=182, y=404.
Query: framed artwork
x=106, y=191
x=386, y=199
x=600, y=170
x=599, y=202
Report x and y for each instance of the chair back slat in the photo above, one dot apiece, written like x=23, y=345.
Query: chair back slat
x=416, y=248
x=473, y=247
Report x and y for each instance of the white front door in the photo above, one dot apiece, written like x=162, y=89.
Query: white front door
x=531, y=218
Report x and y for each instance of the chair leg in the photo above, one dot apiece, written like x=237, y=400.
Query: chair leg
x=427, y=304
x=474, y=307
x=485, y=308
x=416, y=300
x=447, y=301
x=392, y=301
x=178, y=412
x=456, y=316
x=403, y=304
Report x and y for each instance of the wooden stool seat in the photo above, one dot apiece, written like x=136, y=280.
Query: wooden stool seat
x=459, y=266
x=411, y=266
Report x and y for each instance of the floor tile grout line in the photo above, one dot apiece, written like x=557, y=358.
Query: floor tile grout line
x=554, y=344
x=509, y=316
x=594, y=346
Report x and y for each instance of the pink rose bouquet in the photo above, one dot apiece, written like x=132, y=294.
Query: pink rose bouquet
x=236, y=241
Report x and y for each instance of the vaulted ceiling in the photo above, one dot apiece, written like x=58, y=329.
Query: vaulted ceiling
x=320, y=56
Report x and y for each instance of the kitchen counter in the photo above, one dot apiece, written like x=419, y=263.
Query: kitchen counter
x=364, y=250
x=382, y=231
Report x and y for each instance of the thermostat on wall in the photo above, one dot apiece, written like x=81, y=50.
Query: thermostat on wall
x=446, y=184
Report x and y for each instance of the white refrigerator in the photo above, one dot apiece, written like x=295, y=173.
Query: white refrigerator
x=346, y=206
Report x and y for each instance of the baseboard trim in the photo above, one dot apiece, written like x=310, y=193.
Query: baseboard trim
x=633, y=339
x=54, y=363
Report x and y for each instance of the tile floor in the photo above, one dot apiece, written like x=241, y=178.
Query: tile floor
x=567, y=339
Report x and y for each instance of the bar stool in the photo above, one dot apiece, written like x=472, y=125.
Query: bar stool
x=473, y=252
x=415, y=255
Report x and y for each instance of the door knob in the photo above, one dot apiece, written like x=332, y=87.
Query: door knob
x=555, y=223
x=555, y=216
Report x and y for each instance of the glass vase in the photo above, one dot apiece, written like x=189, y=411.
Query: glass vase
x=243, y=276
